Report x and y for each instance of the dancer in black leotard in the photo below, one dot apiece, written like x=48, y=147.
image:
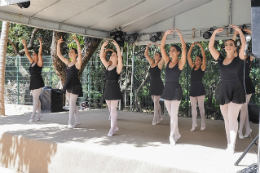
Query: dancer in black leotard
x=230, y=92
x=112, y=89
x=156, y=84
x=197, y=90
x=72, y=86
x=244, y=121
x=36, y=81
x=172, y=92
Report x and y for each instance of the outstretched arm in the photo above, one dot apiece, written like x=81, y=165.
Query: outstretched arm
x=204, y=63
x=243, y=42
x=79, y=61
x=26, y=51
x=40, y=61
x=212, y=49
x=163, y=42
x=184, y=51
x=102, y=54
x=149, y=59
x=189, y=56
x=120, y=59
x=62, y=58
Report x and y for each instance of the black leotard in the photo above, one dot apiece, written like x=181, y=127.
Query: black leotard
x=197, y=87
x=112, y=88
x=72, y=84
x=229, y=88
x=36, y=80
x=172, y=89
x=156, y=84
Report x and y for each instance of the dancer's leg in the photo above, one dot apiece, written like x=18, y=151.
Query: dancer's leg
x=193, y=101
x=72, y=111
x=202, y=111
x=174, y=135
x=114, y=127
x=247, y=125
x=36, y=94
x=233, y=110
x=157, y=110
x=224, y=111
x=109, y=108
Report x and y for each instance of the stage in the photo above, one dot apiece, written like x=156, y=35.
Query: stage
x=48, y=146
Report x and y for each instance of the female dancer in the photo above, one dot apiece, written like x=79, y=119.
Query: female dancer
x=112, y=89
x=197, y=90
x=249, y=91
x=36, y=81
x=156, y=84
x=72, y=86
x=230, y=92
x=172, y=92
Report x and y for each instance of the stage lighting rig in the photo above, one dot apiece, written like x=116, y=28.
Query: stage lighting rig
x=24, y=4
x=155, y=37
x=131, y=38
x=118, y=36
x=208, y=33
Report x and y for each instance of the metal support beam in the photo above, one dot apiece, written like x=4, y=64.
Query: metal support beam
x=51, y=25
x=132, y=79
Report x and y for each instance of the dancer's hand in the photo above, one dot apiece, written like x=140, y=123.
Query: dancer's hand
x=23, y=41
x=170, y=31
x=60, y=41
x=115, y=43
x=75, y=39
x=177, y=30
x=40, y=40
x=105, y=43
x=219, y=30
x=199, y=44
x=192, y=45
x=247, y=31
x=149, y=45
x=236, y=28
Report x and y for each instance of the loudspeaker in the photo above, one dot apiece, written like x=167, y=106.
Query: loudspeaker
x=255, y=27
x=51, y=100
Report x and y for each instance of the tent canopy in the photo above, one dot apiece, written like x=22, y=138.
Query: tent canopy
x=96, y=18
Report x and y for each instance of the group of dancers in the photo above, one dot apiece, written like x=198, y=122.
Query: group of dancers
x=230, y=93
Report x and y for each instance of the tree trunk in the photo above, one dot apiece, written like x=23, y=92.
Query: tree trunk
x=90, y=46
x=137, y=102
x=3, y=47
x=58, y=65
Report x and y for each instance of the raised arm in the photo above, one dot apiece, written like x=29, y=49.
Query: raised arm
x=120, y=59
x=79, y=61
x=161, y=62
x=40, y=61
x=149, y=59
x=235, y=36
x=62, y=58
x=163, y=41
x=26, y=51
x=189, y=56
x=102, y=54
x=243, y=42
x=204, y=63
x=184, y=51
x=212, y=49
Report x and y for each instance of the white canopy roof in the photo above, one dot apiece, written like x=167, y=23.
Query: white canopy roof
x=97, y=18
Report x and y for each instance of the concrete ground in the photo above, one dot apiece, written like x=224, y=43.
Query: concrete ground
x=48, y=146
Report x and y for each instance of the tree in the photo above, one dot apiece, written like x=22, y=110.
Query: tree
x=3, y=47
x=90, y=46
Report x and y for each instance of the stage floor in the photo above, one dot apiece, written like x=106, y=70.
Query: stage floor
x=48, y=146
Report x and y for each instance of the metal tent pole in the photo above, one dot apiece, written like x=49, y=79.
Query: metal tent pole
x=132, y=78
